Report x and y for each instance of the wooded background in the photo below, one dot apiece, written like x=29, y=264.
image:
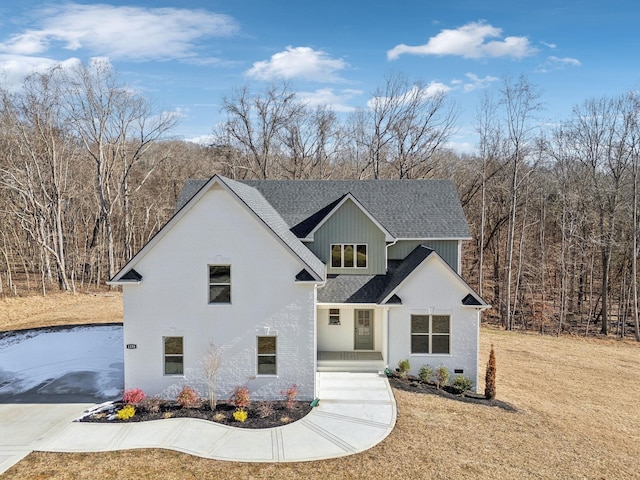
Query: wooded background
x=89, y=172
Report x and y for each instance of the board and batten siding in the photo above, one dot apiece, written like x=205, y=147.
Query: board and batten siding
x=447, y=249
x=349, y=224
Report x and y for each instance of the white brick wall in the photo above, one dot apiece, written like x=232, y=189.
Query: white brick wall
x=172, y=300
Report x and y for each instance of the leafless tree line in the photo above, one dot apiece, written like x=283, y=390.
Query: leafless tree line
x=88, y=174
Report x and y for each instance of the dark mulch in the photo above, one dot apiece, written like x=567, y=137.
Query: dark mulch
x=415, y=385
x=222, y=414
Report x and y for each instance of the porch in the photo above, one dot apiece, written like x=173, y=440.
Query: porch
x=350, y=361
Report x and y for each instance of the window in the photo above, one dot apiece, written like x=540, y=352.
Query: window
x=219, y=284
x=430, y=334
x=267, y=356
x=349, y=255
x=173, y=356
x=334, y=316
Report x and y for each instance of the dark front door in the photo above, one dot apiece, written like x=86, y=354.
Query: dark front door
x=363, y=330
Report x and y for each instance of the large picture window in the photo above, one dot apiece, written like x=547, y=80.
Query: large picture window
x=267, y=356
x=431, y=334
x=173, y=355
x=349, y=255
x=219, y=284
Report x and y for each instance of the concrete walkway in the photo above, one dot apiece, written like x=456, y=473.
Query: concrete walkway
x=356, y=411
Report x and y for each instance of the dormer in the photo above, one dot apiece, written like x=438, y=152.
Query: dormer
x=347, y=238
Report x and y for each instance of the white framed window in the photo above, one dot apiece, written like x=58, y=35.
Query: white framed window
x=267, y=355
x=219, y=283
x=173, y=351
x=334, y=316
x=431, y=334
x=348, y=255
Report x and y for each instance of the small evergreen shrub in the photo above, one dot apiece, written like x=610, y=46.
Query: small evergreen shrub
x=240, y=415
x=425, y=373
x=126, y=412
x=490, y=376
x=442, y=376
x=462, y=383
x=188, y=398
x=403, y=367
x=240, y=397
x=291, y=393
x=133, y=395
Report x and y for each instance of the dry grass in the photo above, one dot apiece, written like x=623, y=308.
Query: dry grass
x=578, y=418
x=59, y=309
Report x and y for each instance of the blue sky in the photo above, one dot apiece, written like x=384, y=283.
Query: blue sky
x=187, y=55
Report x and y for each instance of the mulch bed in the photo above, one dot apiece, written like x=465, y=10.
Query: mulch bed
x=415, y=385
x=222, y=414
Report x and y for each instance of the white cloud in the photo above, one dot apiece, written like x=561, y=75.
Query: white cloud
x=302, y=63
x=557, y=63
x=424, y=93
x=549, y=45
x=476, y=82
x=469, y=41
x=14, y=68
x=121, y=32
x=337, y=101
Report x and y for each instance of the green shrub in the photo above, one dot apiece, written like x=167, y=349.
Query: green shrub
x=126, y=412
x=462, y=383
x=442, y=376
x=425, y=374
x=404, y=367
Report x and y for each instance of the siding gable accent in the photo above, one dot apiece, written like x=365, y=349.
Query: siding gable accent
x=309, y=237
x=255, y=203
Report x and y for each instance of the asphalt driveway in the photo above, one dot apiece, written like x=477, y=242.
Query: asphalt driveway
x=49, y=376
x=82, y=364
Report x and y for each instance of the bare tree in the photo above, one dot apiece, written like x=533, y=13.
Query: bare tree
x=254, y=123
x=211, y=366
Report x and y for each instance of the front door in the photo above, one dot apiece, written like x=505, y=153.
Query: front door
x=364, y=330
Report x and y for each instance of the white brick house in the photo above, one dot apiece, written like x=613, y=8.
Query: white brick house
x=291, y=277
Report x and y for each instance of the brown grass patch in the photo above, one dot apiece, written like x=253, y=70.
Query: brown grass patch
x=577, y=418
x=59, y=309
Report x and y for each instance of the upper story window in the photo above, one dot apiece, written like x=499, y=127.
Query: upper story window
x=431, y=334
x=349, y=255
x=219, y=283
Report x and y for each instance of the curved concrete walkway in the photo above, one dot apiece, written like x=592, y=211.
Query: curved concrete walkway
x=356, y=412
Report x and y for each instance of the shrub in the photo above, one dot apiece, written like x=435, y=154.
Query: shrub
x=188, y=398
x=425, y=374
x=240, y=415
x=404, y=367
x=133, y=395
x=150, y=404
x=442, y=376
x=285, y=419
x=218, y=417
x=490, y=376
x=240, y=397
x=290, y=394
x=462, y=383
x=126, y=412
x=265, y=409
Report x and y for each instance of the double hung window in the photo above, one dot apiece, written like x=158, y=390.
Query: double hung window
x=431, y=334
x=219, y=283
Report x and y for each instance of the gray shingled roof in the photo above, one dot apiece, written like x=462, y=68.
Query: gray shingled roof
x=263, y=209
x=371, y=288
x=407, y=208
